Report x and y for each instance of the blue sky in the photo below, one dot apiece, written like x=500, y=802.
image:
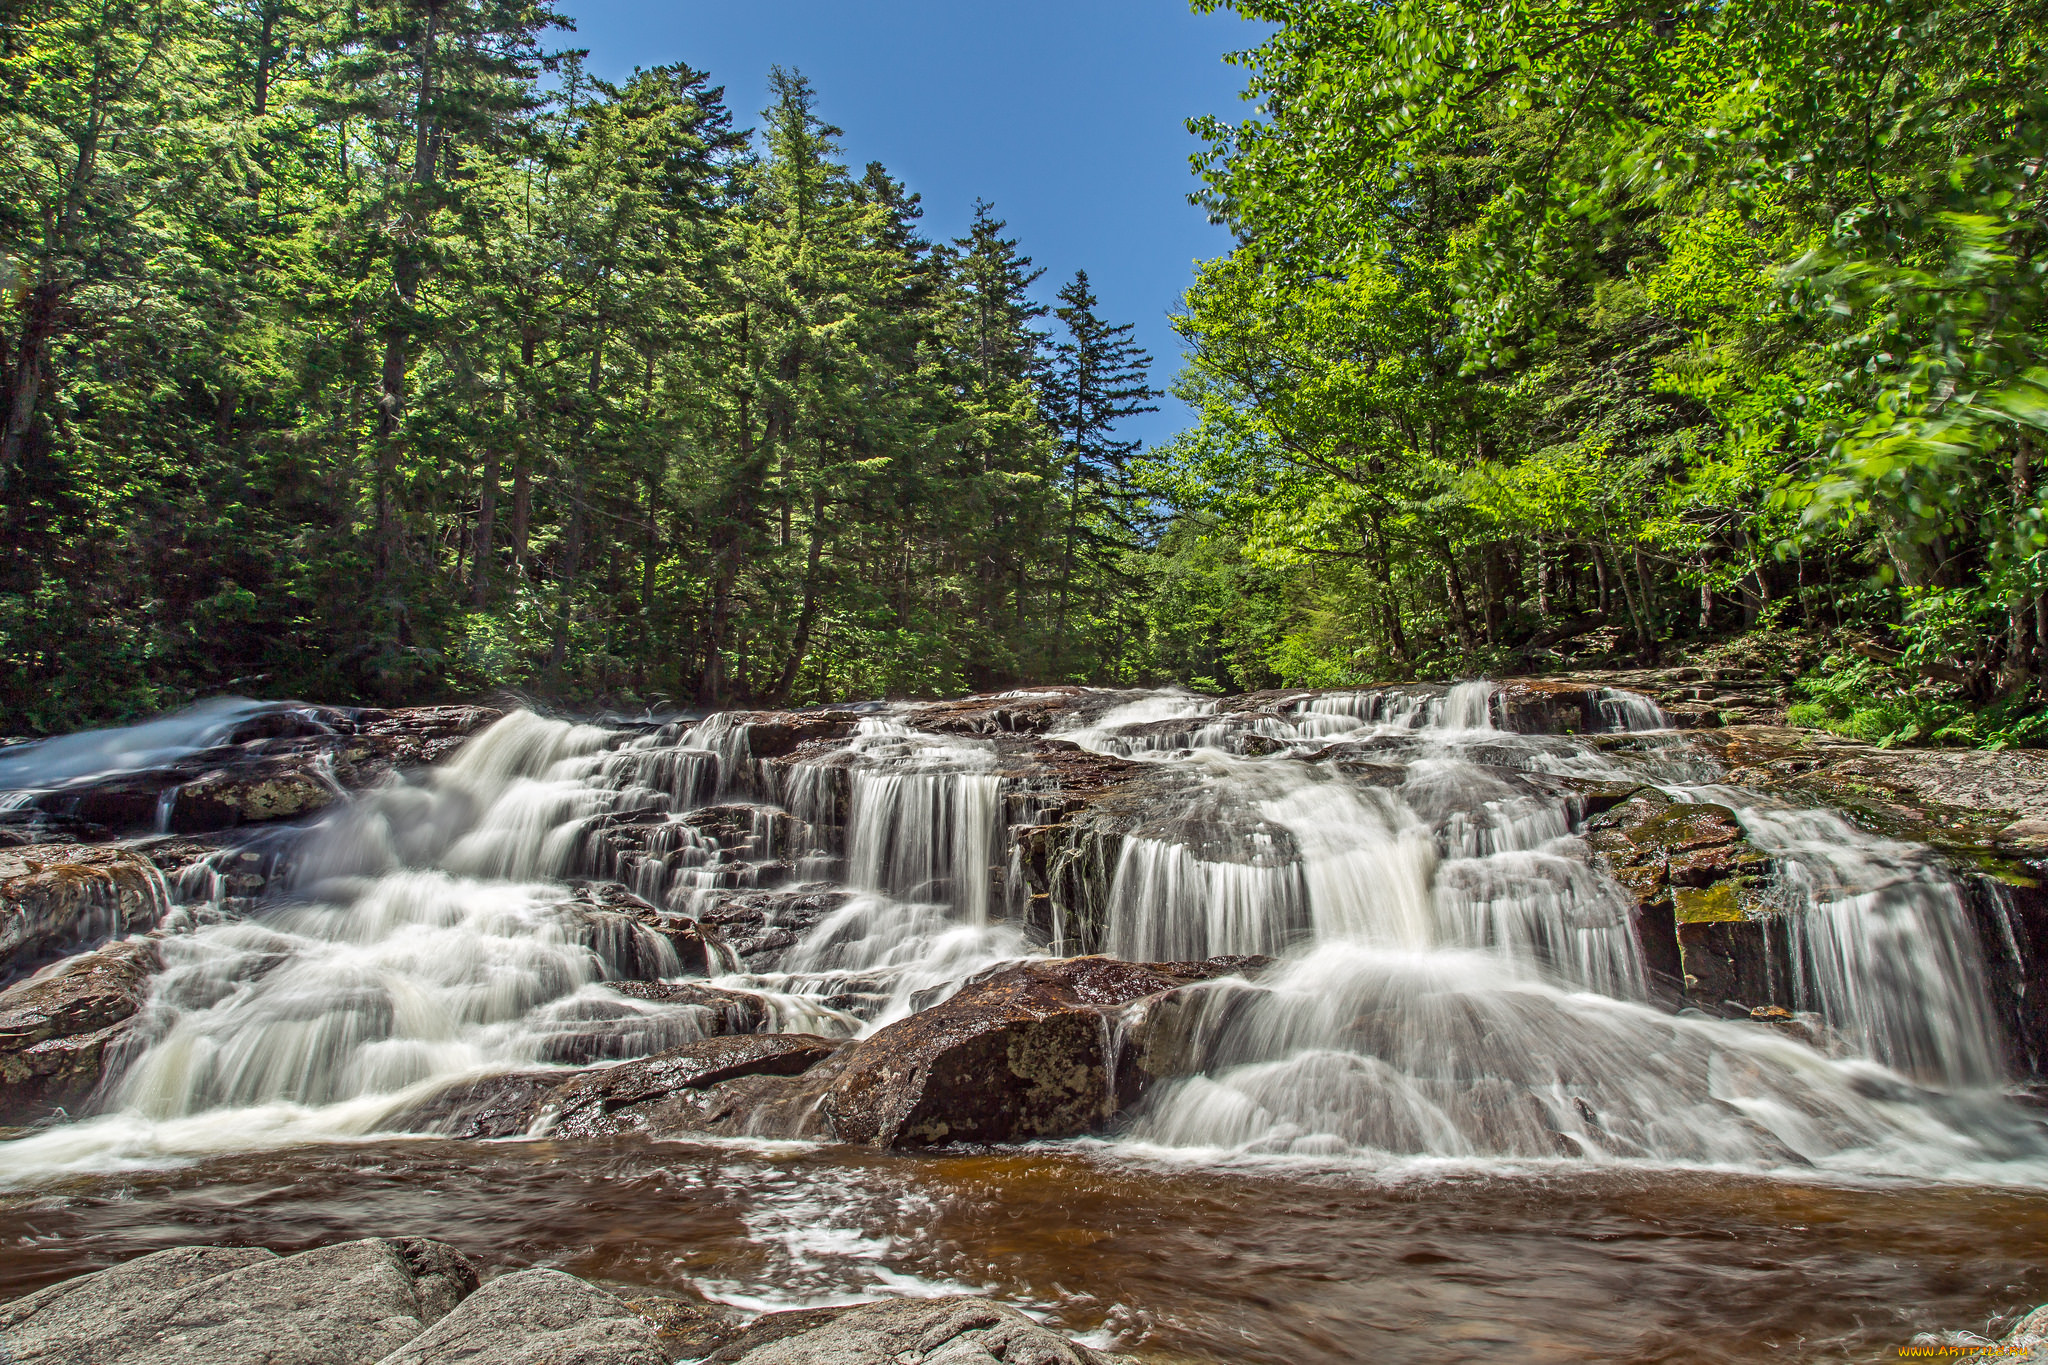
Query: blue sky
x=1066, y=114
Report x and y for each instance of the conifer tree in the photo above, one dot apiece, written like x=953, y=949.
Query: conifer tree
x=1098, y=377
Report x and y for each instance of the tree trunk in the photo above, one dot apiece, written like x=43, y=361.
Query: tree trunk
x=1461, y=616
x=24, y=377
x=801, y=642
x=522, y=512
x=405, y=281
x=2025, y=645
x=1059, y=630
x=729, y=552
x=486, y=521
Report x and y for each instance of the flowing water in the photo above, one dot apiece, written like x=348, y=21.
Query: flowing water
x=1454, y=1108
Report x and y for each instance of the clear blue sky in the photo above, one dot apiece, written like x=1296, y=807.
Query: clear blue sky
x=1066, y=114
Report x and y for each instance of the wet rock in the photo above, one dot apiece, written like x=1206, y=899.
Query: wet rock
x=1023, y=1052
x=759, y=926
x=249, y=793
x=1691, y=715
x=777, y=734
x=278, y=765
x=1532, y=706
x=2025, y=1344
x=622, y=928
x=773, y=1327
x=643, y=1096
x=735, y=1011
x=498, y=1106
x=1703, y=915
x=686, y=1330
x=64, y=897
x=30, y=825
x=350, y=1304
x=59, y=1028
x=1028, y=711
x=1069, y=860
x=536, y=1317
x=955, y=1331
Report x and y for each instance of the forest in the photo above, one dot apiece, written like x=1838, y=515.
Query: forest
x=382, y=352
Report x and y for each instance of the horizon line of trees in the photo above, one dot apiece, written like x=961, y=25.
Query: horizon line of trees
x=380, y=351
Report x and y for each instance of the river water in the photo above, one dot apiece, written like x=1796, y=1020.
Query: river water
x=1451, y=1124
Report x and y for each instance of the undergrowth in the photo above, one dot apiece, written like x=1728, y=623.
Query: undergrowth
x=1885, y=705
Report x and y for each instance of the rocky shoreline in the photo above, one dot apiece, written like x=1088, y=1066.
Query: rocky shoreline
x=413, y=1301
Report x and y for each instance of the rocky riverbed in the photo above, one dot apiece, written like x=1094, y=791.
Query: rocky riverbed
x=1556, y=920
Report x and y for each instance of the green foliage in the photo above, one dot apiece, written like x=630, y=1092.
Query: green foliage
x=1548, y=321
x=378, y=352
x=1884, y=705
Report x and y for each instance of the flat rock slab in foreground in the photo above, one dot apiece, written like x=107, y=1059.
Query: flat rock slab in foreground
x=408, y=1301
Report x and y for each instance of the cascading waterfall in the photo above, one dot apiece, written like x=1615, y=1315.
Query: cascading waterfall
x=1457, y=977
x=1883, y=950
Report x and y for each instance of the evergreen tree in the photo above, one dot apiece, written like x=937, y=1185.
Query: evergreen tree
x=1098, y=377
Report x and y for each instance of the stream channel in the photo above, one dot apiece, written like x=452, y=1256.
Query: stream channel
x=1456, y=1118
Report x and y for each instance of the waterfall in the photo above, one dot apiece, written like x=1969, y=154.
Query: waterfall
x=1457, y=975
x=1631, y=711
x=1882, y=947
x=1355, y=1050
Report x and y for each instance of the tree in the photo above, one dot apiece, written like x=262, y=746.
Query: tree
x=1096, y=379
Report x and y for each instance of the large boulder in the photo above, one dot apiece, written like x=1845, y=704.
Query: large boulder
x=250, y=791
x=536, y=1317
x=501, y=1105
x=57, y=898
x=59, y=1027
x=350, y=1304
x=1025, y=1051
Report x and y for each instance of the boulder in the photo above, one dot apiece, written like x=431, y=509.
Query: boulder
x=1701, y=903
x=1026, y=711
x=955, y=1331
x=499, y=1106
x=536, y=1317
x=409, y=1301
x=250, y=792
x=759, y=926
x=1532, y=706
x=2025, y=1344
x=732, y=1011
x=279, y=764
x=612, y=915
x=350, y=1304
x=646, y=1096
x=59, y=1027
x=660, y=1096
x=1025, y=1051
x=56, y=898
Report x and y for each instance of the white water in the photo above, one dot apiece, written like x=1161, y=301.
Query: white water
x=48, y=764
x=1458, y=978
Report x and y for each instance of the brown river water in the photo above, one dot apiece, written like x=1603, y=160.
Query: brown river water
x=1296, y=1266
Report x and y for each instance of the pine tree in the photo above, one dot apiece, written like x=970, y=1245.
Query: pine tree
x=1096, y=379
